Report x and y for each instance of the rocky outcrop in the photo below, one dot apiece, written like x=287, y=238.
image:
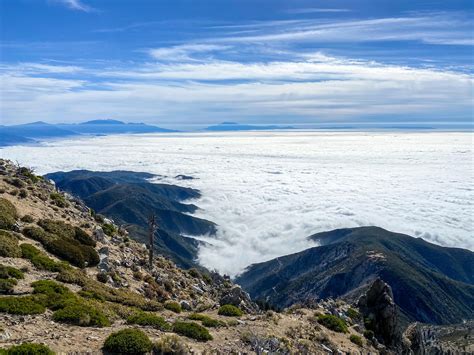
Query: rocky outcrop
x=239, y=298
x=380, y=312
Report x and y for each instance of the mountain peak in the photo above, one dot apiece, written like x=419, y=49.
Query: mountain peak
x=100, y=122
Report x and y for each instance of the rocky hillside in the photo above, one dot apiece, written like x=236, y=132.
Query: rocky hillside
x=430, y=283
x=129, y=199
x=72, y=282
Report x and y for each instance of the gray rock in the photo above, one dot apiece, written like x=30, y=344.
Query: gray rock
x=239, y=298
x=186, y=306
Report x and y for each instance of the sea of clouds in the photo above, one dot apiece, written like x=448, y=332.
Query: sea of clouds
x=268, y=191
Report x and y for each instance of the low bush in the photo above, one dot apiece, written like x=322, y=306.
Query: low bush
x=128, y=341
x=58, y=199
x=81, y=236
x=194, y=273
x=173, y=306
x=21, y=305
x=109, y=229
x=149, y=319
x=27, y=218
x=28, y=349
x=356, y=339
x=39, y=259
x=8, y=271
x=7, y=285
x=192, y=330
x=229, y=310
x=369, y=334
x=333, y=323
x=102, y=277
x=8, y=214
x=9, y=245
x=207, y=321
x=170, y=345
x=68, y=250
x=37, y=234
x=81, y=314
x=52, y=294
x=23, y=193
x=352, y=313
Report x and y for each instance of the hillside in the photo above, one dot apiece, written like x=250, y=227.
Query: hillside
x=79, y=284
x=129, y=199
x=430, y=283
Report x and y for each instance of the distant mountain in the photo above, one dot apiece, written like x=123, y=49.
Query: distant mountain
x=233, y=126
x=430, y=283
x=129, y=199
x=37, y=131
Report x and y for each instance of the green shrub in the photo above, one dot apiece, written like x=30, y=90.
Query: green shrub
x=8, y=271
x=21, y=305
x=29, y=349
x=39, y=259
x=23, y=193
x=170, y=345
x=29, y=174
x=67, y=250
x=58, y=199
x=229, y=310
x=82, y=237
x=27, y=218
x=173, y=306
x=128, y=341
x=71, y=275
x=207, y=321
x=7, y=286
x=8, y=214
x=149, y=319
x=9, y=245
x=81, y=314
x=102, y=277
x=192, y=330
x=352, y=313
x=37, y=234
x=333, y=322
x=356, y=339
x=194, y=273
x=52, y=294
x=369, y=334
x=109, y=229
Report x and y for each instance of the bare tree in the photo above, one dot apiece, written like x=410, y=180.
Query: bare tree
x=151, y=237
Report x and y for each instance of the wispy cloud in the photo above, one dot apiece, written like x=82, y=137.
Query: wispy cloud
x=77, y=5
x=311, y=10
x=184, y=52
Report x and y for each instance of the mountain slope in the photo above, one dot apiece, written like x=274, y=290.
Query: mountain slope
x=430, y=283
x=129, y=199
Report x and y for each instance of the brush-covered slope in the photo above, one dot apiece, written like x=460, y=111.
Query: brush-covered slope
x=430, y=283
x=68, y=287
x=129, y=199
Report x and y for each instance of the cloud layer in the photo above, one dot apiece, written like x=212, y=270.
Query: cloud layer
x=269, y=191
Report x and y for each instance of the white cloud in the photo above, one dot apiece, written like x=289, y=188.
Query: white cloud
x=184, y=52
x=268, y=191
x=76, y=5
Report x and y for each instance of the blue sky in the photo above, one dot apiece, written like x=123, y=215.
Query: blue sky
x=185, y=63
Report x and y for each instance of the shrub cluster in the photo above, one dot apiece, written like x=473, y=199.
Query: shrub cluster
x=21, y=305
x=28, y=349
x=128, y=341
x=39, y=259
x=229, y=310
x=352, y=313
x=79, y=313
x=8, y=278
x=356, y=339
x=58, y=199
x=8, y=214
x=65, y=241
x=9, y=245
x=192, y=330
x=173, y=306
x=170, y=344
x=207, y=321
x=333, y=322
x=109, y=229
x=149, y=319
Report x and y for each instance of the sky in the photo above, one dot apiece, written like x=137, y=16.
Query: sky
x=186, y=63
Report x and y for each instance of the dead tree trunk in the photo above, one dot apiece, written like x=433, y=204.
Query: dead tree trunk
x=151, y=237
